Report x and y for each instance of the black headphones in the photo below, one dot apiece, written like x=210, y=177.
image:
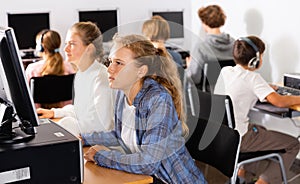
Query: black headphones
x=40, y=47
x=254, y=62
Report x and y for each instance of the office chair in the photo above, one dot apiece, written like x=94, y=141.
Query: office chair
x=221, y=152
x=219, y=108
x=50, y=89
x=211, y=72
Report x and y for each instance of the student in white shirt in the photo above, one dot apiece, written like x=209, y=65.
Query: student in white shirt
x=93, y=102
x=245, y=87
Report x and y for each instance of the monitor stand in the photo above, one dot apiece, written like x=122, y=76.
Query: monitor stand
x=15, y=137
x=10, y=135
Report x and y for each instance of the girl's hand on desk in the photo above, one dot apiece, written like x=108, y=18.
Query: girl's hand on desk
x=45, y=113
x=89, y=155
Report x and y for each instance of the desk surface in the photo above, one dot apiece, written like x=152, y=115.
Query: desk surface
x=273, y=110
x=295, y=107
x=94, y=174
x=292, y=111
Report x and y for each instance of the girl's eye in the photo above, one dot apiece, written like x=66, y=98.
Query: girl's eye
x=119, y=63
x=69, y=43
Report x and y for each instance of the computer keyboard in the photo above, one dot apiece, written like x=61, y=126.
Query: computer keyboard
x=284, y=90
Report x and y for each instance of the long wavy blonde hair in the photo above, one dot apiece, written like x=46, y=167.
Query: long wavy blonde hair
x=161, y=68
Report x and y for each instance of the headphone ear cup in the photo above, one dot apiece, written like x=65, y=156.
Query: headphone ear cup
x=254, y=62
x=41, y=48
x=257, y=63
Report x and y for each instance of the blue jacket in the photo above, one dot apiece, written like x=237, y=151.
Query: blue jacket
x=159, y=136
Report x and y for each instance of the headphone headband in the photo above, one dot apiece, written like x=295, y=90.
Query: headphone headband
x=250, y=43
x=41, y=48
x=43, y=34
x=254, y=62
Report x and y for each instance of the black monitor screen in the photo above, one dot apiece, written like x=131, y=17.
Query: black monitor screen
x=175, y=19
x=26, y=27
x=14, y=81
x=106, y=20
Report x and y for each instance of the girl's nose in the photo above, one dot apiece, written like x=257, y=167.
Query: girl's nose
x=66, y=48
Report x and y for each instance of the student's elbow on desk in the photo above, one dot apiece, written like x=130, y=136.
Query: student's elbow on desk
x=282, y=101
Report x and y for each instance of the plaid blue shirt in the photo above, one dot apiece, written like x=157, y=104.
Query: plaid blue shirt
x=159, y=138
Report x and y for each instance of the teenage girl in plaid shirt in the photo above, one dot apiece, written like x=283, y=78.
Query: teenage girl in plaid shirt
x=149, y=116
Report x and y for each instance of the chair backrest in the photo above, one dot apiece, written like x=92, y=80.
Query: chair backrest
x=52, y=88
x=213, y=140
x=221, y=151
x=218, y=108
x=205, y=105
x=211, y=72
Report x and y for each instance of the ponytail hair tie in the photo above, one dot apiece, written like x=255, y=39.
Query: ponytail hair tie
x=56, y=50
x=158, y=51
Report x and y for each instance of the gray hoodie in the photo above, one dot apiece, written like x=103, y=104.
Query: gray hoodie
x=212, y=48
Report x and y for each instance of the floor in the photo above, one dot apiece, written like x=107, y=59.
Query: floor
x=213, y=176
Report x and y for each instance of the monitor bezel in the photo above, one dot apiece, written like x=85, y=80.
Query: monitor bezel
x=173, y=42
x=158, y=11
x=116, y=10
x=33, y=34
x=15, y=84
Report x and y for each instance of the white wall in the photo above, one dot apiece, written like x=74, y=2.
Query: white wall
x=64, y=13
x=276, y=22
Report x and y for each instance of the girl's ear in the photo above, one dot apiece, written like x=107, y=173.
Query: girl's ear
x=90, y=49
x=143, y=70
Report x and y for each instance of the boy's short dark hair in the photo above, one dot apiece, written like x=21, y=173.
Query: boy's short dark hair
x=243, y=52
x=212, y=15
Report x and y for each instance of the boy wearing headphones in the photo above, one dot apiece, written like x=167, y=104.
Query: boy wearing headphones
x=245, y=87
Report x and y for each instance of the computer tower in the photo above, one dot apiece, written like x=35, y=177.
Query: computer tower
x=53, y=156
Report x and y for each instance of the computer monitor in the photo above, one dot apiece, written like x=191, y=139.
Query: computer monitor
x=26, y=27
x=106, y=20
x=175, y=20
x=17, y=92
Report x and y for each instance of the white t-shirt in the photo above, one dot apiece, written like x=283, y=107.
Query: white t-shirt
x=93, y=102
x=128, y=133
x=245, y=88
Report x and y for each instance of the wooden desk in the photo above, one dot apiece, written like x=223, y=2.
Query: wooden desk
x=295, y=107
x=55, y=119
x=94, y=174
